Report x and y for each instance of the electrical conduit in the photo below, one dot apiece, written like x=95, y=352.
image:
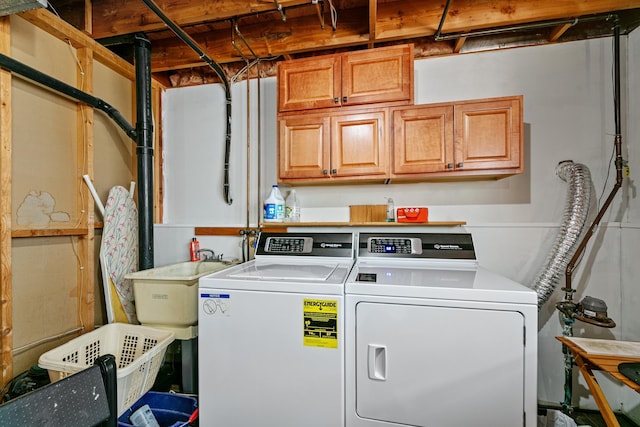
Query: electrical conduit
x=227, y=88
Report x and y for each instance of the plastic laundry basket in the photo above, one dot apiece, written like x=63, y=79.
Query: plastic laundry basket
x=139, y=352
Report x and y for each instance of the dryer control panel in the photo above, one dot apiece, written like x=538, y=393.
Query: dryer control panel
x=395, y=245
x=449, y=246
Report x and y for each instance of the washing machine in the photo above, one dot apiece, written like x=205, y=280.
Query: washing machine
x=271, y=350
x=433, y=339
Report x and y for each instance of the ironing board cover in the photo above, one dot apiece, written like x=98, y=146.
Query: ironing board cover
x=119, y=247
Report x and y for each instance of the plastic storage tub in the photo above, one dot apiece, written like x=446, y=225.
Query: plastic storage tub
x=139, y=352
x=169, y=409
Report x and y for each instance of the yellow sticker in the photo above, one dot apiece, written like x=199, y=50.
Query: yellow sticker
x=320, y=323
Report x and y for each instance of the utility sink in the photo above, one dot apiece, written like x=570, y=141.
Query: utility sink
x=167, y=297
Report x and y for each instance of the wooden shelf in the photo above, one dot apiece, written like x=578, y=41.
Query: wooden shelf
x=274, y=227
x=362, y=224
x=49, y=232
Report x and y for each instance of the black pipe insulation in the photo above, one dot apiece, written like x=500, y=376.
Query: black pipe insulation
x=36, y=76
x=227, y=88
x=144, y=150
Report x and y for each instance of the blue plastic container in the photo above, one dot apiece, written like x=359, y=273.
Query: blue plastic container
x=170, y=409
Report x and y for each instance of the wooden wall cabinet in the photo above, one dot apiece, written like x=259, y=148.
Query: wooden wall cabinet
x=363, y=77
x=334, y=146
x=467, y=138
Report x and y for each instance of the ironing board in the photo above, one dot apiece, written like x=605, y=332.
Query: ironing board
x=119, y=253
x=603, y=355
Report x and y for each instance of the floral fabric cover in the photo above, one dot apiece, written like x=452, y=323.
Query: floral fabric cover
x=119, y=246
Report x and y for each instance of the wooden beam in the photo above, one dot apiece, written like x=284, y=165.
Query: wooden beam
x=459, y=43
x=411, y=18
x=558, y=31
x=53, y=25
x=117, y=17
x=85, y=249
x=235, y=231
x=373, y=16
x=296, y=35
x=6, y=321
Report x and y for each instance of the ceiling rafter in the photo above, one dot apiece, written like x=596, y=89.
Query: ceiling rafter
x=293, y=28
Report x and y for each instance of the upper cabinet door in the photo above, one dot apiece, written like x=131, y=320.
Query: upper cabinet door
x=372, y=76
x=303, y=150
x=423, y=139
x=310, y=83
x=359, y=144
x=489, y=135
x=378, y=75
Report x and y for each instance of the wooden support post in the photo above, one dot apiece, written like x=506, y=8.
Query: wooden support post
x=6, y=321
x=85, y=206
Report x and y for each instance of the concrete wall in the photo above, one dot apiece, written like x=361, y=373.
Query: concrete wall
x=568, y=114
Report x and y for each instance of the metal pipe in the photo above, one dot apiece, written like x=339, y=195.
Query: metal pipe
x=618, y=162
x=227, y=88
x=567, y=307
x=144, y=150
x=67, y=90
x=442, y=18
x=236, y=31
x=513, y=28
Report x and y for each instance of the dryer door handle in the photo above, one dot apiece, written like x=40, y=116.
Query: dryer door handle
x=377, y=362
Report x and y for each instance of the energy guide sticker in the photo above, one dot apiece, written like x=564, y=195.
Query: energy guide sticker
x=320, y=323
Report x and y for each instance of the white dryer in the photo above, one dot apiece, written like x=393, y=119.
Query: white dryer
x=271, y=350
x=435, y=340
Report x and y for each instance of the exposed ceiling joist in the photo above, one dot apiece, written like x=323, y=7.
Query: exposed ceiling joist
x=292, y=28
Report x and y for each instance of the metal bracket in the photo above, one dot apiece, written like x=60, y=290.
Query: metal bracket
x=320, y=11
x=281, y=10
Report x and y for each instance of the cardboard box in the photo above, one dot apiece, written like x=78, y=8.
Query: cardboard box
x=412, y=214
x=367, y=213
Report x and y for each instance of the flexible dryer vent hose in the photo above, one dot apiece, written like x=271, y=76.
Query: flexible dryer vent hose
x=574, y=218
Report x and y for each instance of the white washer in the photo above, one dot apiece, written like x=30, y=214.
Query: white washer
x=271, y=350
x=435, y=340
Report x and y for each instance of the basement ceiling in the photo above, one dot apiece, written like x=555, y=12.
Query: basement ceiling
x=232, y=32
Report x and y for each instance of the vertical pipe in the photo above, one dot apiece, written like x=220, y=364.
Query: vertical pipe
x=144, y=150
x=567, y=306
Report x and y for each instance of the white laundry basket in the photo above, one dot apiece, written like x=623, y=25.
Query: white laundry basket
x=139, y=352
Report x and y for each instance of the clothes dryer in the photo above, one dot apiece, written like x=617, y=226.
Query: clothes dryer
x=435, y=340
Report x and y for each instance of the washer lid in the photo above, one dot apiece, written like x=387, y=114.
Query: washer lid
x=298, y=272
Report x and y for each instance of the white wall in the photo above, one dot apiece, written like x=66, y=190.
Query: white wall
x=568, y=114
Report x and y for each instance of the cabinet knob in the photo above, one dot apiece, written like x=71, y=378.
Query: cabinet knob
x=334, y=171
x=459, y=165
x=344, y=99
x=324, y=171
x=449, y=165
x=336, y=100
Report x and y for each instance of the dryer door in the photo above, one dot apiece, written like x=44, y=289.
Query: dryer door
x=423, y=365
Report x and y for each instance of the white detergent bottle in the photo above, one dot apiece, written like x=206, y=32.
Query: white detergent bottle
x=292, y=208
x=274, y=206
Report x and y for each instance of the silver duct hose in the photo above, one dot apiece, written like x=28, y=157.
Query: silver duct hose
x=578, y=179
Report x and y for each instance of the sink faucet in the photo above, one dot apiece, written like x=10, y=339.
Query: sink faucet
x=206, y=255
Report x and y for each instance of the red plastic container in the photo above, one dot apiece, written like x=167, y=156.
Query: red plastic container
x=419, y=214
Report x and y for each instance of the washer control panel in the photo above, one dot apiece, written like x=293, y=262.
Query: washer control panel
x=395, y=245
x=288, y=245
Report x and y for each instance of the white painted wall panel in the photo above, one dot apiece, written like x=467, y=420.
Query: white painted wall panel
x=568, y=114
